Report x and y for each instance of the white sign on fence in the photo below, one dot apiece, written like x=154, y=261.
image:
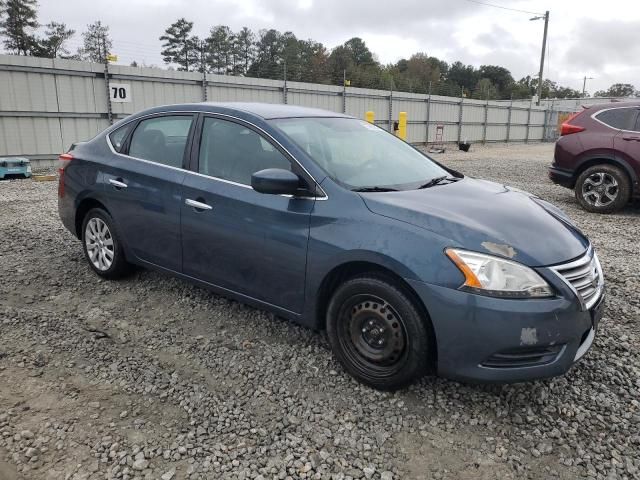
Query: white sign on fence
x=120, y=92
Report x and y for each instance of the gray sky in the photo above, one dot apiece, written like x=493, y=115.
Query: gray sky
x=586, y=37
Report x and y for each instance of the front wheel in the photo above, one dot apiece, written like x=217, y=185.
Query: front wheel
x=102, y=246
x=603, y=189
x=378, y=334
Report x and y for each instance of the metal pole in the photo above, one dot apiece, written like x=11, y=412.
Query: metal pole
x=509, y=120
x=284, y=87
x=106, y=81
x=460, y=115
x=204, y=72
x=544, y=46
x=526, y=138
x=344, y=91
x=391, y=107
x=486, y=117
x=426, y=138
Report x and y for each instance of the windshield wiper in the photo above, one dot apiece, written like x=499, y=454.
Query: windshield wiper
x=374, y=189
x=438, y=180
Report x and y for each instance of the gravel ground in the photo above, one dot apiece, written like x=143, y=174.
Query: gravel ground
x=154, y=378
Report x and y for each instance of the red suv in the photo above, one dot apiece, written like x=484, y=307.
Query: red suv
x=598, y=155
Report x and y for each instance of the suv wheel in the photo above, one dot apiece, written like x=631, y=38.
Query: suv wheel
x=603, y=189
x=101, y=245
x=378, y=334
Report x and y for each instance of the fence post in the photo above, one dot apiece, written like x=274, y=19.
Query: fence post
x=284, y=86
x=204, y=72
x=526, y=138
x=106, y=81
x=426, y=137
x=460, y=115
x=486, y=118
x=509, y=120
x=391, y=109
x=344, y=91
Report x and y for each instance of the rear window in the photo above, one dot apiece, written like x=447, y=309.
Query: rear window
x=117, y=137
x=620, y=118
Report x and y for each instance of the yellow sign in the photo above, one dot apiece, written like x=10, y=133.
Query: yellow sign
x=347, y=83
x=112, y=58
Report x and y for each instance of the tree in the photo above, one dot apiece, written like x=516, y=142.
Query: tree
x=97, y=43
x=269, y=49
x=500, y=77
x=463, y=75
x=52, y=45
x=18, y=19
x=180, y=47
x=244, y=49
x=618, y=90
x=219, y=49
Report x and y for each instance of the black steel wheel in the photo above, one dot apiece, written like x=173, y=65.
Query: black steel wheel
x=378, y=333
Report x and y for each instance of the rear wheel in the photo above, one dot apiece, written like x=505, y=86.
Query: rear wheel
x=603, y=189
x=102, y=246
x=378, y=333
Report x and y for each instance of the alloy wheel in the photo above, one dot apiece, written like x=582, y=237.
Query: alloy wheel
x=600, y=189
x=99, y=243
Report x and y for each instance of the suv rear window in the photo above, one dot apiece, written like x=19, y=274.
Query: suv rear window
x=620, y=118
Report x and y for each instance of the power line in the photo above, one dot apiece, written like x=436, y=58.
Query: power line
x=504, y=8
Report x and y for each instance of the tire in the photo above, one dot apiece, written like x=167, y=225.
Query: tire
x=106, y=258
x=603, y=189
x=378, y=334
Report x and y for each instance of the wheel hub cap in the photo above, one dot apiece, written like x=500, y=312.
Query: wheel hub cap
x=99, y=243
x=376, y=331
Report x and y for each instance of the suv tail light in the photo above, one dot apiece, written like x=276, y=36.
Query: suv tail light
x=63, y=162
x=567, y=128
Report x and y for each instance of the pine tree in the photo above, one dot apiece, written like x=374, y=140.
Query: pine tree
x=97, y=43
x=18, y=19
x=52, y=45
x=244, y=49
x=180, y=47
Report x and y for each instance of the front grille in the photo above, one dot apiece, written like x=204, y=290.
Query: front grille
x=585, y=278
x=523, y=357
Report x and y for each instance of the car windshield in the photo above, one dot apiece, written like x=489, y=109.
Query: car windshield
x=359, y=155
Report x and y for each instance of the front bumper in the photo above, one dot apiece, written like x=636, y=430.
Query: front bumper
x=484, y=339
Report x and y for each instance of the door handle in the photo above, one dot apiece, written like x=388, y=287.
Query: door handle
x=628, y=139
x=197, y=205
x=117, y=183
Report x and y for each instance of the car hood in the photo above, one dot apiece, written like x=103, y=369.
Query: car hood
x=486, y=217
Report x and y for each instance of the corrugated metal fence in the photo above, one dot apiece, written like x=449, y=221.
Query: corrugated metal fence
x=47, y=104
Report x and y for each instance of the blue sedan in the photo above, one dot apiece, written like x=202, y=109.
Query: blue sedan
x=333, y=223
x=14, y=166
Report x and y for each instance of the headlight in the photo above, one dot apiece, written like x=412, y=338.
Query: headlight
x=498, y=277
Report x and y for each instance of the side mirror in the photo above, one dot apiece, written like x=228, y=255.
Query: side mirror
x=275, y=181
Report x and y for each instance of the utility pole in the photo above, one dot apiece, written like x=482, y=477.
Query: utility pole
x=544, y=46
x=584, y=84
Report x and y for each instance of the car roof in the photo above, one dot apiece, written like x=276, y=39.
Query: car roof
x=268, y=111
x=621, y=104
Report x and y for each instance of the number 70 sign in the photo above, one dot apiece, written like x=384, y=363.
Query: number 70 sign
x=120, y=92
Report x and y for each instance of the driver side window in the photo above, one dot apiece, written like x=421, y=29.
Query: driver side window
x=233, y=152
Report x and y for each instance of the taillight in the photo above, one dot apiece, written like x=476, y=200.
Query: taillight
x=567, y=128
x=63, y=162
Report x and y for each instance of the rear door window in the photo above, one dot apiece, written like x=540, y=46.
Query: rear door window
x=619, y=118
x=118, y=137
x=161, y=139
